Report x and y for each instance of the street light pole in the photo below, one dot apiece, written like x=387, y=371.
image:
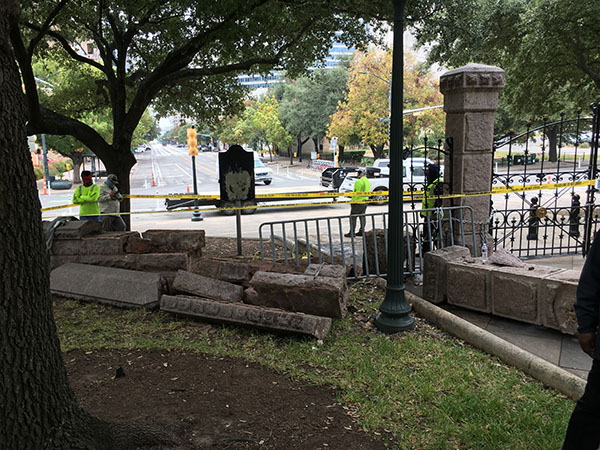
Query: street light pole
x=395, y=311
x=45, y=159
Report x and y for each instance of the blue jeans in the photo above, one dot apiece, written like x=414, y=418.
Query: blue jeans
x=92, y=218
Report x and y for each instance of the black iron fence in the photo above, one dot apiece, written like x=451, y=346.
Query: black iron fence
x=547, y=219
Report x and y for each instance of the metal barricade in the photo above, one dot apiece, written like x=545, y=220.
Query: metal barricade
x=321, y=240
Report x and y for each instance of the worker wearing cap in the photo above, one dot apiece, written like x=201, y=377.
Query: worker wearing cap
x=86, y=196
x=110, y=205
x=359, y=209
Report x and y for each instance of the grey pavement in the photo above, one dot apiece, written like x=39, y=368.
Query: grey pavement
x=560, y=349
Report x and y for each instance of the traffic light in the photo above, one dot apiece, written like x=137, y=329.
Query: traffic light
x=192, y=142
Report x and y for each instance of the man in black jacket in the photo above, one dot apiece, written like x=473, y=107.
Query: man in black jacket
x=583, y=431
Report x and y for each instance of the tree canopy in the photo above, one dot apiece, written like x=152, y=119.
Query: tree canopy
x=363, y=114
x=548, y=48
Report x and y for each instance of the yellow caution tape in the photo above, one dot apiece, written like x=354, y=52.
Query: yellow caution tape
x=173, y=196
x=51, y=208
x=407, y=196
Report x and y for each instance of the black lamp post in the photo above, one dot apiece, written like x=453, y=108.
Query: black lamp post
x=395, y=311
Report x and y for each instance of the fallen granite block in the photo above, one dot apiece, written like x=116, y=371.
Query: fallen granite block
x=204, y=266
x=176, y=241
x=191, y=283
x=321, y=296
x=375, y=244
x=326, y=270
x=557, y=295
x=270, y=266
x=103, y=244
x=241, y=314
x=76, y=229
x=148, y=262
x=235, y=272
x=435, y=271
x=117, y=287
x=138, y=245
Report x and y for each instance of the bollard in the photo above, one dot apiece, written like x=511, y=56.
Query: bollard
x=533, y=221
x=574, y=216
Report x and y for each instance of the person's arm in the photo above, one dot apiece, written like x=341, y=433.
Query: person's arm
x=587, y=303
x=94, y=194
x=77, y=195
x=105, y=195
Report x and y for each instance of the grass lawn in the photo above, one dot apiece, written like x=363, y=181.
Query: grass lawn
x=430, y=390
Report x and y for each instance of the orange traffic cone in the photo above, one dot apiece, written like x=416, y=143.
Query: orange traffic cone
x=549, y=175
x=45, y=188
x=188, y=189
x=153, y=181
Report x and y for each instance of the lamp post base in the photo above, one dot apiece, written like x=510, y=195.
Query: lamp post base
x=197, y=216
x=394, y=313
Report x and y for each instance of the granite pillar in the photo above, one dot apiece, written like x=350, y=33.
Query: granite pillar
x=470, y=102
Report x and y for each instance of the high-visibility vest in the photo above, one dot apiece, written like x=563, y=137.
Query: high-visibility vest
x=87, y=198
x=429, y=200
x=361, y=185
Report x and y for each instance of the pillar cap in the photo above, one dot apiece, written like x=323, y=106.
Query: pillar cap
x=472, y=77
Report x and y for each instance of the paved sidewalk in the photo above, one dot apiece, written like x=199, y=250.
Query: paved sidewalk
x=560, y=349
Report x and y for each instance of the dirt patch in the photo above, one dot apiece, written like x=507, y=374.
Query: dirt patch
x=220, y=247
x=218, y=403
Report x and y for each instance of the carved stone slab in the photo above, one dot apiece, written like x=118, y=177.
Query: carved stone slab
x=241, y=314
x=117, y=287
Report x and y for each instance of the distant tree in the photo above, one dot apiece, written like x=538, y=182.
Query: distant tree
x=548, y=49
x=69, y=147
x=308, y=101
x=365, y=111
x=267, y=119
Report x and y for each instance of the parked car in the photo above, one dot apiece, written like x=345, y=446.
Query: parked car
x=261, y=172
x=417, y=164
x=413, y=176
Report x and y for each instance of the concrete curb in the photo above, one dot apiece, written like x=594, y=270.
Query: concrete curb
x=549, y=374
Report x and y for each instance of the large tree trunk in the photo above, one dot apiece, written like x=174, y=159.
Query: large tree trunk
x=77, y=159
x=300, y=142
x=120, y=163
x=552, y=133
x=38, y=408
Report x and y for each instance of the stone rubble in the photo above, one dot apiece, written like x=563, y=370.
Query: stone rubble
x=130, y=270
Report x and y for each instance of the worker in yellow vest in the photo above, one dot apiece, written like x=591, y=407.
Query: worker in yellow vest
x=361, y=186
x=86, y=196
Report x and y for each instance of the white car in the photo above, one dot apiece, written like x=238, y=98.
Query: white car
x=261, y=172
x=417, y=164
x=413, y=170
